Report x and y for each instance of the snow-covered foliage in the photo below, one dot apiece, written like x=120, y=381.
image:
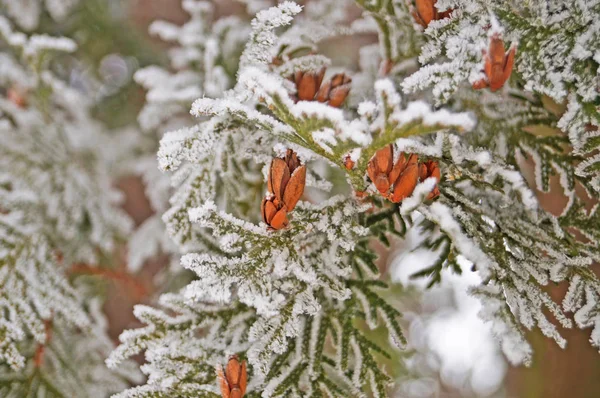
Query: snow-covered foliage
x=290, y=301
x=70, y=364
x=558, y=57
x=57, y=208
x=284, y=299
x=452, y=345
x=418, y=133
x=515, y=252
x=27, y=13
x=204, y=61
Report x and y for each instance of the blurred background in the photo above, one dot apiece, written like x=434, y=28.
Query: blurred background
x=452, y=353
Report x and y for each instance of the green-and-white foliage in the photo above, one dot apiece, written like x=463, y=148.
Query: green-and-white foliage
x=298, y=303
x=57, y=207
x=301, y=305
x=558, y=57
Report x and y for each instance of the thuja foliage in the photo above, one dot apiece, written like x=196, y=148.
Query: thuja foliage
x=296, y=301
x=472, y=90
x=57, y=208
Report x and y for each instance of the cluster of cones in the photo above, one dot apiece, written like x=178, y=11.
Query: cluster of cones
x=287, y=176
x=309, y=87
x=397, y=180
x=286, y=181
x=498, y=66
x=498, y=63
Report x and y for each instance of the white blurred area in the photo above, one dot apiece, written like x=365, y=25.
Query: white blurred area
x=455, y=352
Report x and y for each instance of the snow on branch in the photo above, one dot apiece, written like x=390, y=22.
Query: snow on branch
x=263, y=39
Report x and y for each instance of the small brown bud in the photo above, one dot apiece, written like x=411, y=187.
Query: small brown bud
x=349, y=163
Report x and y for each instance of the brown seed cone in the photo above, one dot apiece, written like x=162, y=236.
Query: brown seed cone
x=498, y=65
x=308, y=87
x=379, y=168
x=286, y=181
x=426, y=11
x=400, y=165
x=287, y=178
x=397, y=181
x=308, y=83
x=234, y=379
x=274, y=213
x=335, y=91
x=406, y=182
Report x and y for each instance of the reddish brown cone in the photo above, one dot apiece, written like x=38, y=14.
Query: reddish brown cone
x=408, y=177
x=286, y=181
x=274, y=213
x=397, y=181
x=498, y=65
x=379, y=168
x=333, y=92
x=394, y=181
x=233, y=379
x=426, y=11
